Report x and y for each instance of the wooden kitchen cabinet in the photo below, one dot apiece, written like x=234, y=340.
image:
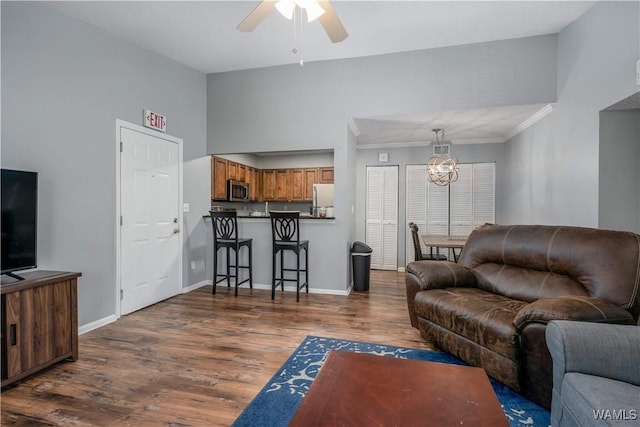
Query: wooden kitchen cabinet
x=39, y=322
x=301, y=184
x=252, y=178
x=326, y=175
x=296, y=185
x=282, y=185
x=268, y=184
x=232, y=170
x=310, y=178
x=218, y=178
x=248, y=180
x=255, y=190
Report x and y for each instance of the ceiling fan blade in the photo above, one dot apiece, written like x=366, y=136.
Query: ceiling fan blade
x=257, y=15
x=331, y=23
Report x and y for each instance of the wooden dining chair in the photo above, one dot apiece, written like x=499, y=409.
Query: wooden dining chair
x=417, y=249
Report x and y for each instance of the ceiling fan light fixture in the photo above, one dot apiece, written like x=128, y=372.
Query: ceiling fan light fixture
x=314, y=8
x=314, y=11
x=286, y=8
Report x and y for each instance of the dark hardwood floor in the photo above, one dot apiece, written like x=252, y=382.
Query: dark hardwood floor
x=198, y=359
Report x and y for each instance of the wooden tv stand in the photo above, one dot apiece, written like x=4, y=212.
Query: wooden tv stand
x=39, y=322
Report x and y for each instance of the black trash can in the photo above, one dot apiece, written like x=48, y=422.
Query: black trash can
x=361, y=260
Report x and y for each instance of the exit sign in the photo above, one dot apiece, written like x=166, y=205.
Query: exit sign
x=155, y=121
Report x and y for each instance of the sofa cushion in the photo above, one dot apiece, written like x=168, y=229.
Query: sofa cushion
x=524, y=283
x=612, y=271
x=582, y=395
x=477, y=315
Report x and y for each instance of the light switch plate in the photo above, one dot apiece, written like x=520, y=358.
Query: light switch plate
x=186, y=207
x=638, y=73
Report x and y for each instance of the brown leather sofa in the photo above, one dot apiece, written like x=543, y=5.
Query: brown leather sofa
x=492, y=307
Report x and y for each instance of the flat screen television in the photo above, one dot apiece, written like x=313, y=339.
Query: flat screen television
x=19, y=220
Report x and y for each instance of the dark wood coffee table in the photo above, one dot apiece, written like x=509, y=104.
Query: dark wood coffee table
x=356, y=389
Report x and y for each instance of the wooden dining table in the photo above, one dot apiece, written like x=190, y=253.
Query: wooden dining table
x=445, y=242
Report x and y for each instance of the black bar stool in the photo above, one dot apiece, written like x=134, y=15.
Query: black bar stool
x=225, y=235
x=285, y=228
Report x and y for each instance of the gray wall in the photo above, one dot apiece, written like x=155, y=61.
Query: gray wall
x=554, y=165
x=297, y=108
x=351, y=184
x=620, y=170
x=471, y=153
x=64, y=83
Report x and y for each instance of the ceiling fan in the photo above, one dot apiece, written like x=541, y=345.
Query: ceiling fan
x=316, y=9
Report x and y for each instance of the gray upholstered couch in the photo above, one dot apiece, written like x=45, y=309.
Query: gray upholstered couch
x=596, y=374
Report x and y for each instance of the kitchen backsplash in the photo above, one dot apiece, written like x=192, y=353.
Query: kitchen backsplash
x=272, y=206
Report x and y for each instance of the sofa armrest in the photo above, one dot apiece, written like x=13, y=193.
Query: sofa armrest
x=440, y=274
x=604, y=350
x=581, y=308
x=424, y=275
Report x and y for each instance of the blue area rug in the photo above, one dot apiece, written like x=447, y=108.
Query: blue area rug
x=277, y=402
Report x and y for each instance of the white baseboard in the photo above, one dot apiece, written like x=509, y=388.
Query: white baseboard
x=97, y=324
x=293, y=289
x=401, y=270
x=195, y=286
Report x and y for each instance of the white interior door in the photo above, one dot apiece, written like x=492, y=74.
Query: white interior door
x=382, y=216
x=150, y=239
x=416, y=206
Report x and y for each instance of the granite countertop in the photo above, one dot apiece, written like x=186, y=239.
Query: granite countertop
x=302, y=216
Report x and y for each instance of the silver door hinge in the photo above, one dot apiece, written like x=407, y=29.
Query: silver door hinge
x=121, y=294
x=121, y=146
x=121, y=221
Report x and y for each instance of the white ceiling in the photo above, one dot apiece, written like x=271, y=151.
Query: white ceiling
x=477, y=126
x=202, y=35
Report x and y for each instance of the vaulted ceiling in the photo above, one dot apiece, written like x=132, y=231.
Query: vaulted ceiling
x=203, y=36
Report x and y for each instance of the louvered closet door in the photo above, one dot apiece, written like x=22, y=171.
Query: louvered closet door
x=416, y=206
x=437, y=209
x=456, y=209
x=461, y=195
x=484, y=194
x=382, y=216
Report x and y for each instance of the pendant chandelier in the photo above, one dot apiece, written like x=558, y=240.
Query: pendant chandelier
x=442, y=169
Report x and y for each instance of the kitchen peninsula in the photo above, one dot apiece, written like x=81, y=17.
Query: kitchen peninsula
x=258, y=228
x=278, y=182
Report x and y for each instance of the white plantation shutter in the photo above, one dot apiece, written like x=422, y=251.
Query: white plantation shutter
x=416, y=206
x=382, y=216
x=461, y=216
x=484, y=193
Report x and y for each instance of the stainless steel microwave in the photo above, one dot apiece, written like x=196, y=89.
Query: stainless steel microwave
x=237, y=191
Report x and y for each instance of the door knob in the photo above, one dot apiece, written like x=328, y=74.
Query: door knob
x=176, y=230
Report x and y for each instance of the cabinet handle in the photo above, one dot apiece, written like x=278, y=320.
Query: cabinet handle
x=13, y=334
